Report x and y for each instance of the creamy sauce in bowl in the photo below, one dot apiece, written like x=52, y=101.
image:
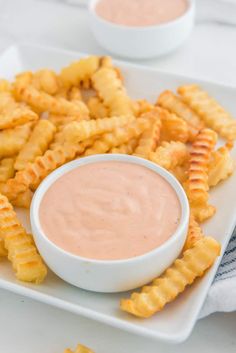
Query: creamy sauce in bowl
x=140, y=13
x=110, y=211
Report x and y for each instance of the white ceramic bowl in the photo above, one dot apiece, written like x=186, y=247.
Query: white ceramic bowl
x=107, y=275
x=142, y=42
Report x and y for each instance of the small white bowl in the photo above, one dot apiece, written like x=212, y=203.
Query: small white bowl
x=109, y=275
x=142, y=42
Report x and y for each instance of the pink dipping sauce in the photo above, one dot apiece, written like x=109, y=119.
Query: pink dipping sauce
x=140, y=13
x=110, y=211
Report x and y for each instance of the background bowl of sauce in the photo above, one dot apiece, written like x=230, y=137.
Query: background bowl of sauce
x=141, y=29
x=109, y=223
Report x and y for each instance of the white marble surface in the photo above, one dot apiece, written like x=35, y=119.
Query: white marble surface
x=31, y=327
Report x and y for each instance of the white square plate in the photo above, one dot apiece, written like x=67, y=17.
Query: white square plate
x=175, y=322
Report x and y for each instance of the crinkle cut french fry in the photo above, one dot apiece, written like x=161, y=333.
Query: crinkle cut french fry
x=106, y=61
x=149, y=140
x=12, y=140
x=173, y=127
x=23, y=79
x=170, y=154
x=79, y=71
x=37, y=144
x=126, y=148
x=3, y=251
x=174, y=104
x=210, y=111
x=194, y=233
x=97, y=109
x=61, y=120
x=142, y=106
x=197, y=183
x=62, y=93
x=47, y=81
x=13, y=113
x=5, y=86
x=118, y=136
x=42, y=102
x=180, y=172
x=59, y=137
x=23, y=200
x=193, y=263
x=79, y=131
x=22, y=252
x=7, y=169
x=111, y=90
x=42, y=80
x=35, y=172
x=74, y=94
x=221, y=166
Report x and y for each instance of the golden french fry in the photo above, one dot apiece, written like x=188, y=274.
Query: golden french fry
x=74, y=94
x=149, y=140
x=126, y=148
x=61, y=120
x=79, y=131
x=106, y=61
x=23, y=79
x=203, y=212
x=7, y=169
x=197, y=183
x=5, y=86
x=22, y=252
x=173, y=127
x=35, y=172
x=43, y=102
x=37, y=144
x=118, y=136
x=63, y=92
x=221, y=166
x=13, y=113
x=142, y=106
x=170, y=154
x=81, y=147
x=79, y=71
x=210, y=111
x=47, y=81
x=194, y=262
x=23, y=200
x=111, y=90
x=59, y=137
x=3, y=251
x=174, y=104
x=97, y=109
x=194, y=233
x=12, y=140
x=181, y=172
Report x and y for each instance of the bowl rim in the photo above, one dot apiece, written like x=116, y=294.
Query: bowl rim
x=190, y=10
x=56, y=174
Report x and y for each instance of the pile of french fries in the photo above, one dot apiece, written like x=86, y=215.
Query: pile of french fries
x=49, y=118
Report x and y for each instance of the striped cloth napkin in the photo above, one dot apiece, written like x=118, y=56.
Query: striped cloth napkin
x=222, y=294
